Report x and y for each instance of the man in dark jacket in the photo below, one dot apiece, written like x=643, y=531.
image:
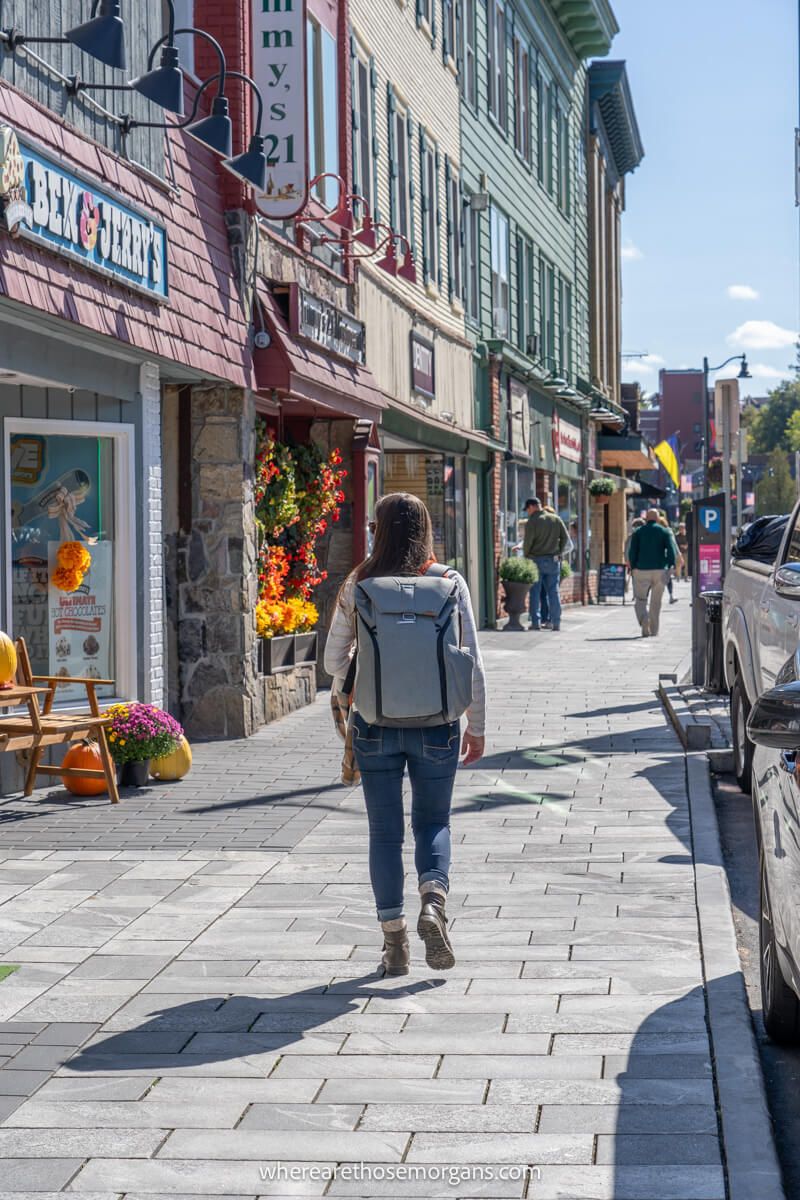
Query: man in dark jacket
x=651, y=554
x=545, y=541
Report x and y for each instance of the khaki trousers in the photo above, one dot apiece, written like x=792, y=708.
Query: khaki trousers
x=648, y=584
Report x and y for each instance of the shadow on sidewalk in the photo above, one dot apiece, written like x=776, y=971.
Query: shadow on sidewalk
x=222, y=1028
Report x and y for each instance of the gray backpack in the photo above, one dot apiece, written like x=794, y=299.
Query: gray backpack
x=410, y=668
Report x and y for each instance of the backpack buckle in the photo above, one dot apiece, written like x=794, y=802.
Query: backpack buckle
x=406, y=619
x=407, y=591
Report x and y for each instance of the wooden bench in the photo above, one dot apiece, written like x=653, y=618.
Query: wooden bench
x=42, y=727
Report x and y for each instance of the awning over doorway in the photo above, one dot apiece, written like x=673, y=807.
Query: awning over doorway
x=318, y=383
x=626, y=453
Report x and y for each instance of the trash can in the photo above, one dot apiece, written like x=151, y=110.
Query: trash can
x=714, y=673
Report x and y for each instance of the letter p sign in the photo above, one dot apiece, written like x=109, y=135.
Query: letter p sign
x=711, y=519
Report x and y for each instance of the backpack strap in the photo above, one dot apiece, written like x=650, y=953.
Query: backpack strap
x=437, y=569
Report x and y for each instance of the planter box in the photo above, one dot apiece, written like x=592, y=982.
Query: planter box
x=305, y=648
x=276, y=654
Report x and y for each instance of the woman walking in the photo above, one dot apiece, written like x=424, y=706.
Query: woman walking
x=385, y=746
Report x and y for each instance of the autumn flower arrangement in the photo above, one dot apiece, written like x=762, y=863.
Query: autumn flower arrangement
x=74, y=560
x=141, y=731
x=298, y=492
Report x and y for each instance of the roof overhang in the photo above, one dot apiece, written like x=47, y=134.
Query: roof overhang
x=315, y=382
x=626, y=453
x=610, y=91
x=589, y=25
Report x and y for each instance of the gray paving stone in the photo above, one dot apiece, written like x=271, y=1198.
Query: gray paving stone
x=403, y=1091
x=456, y=1118
x=529, y=1066
x=631, y=1183
x=482, y=1148
x=286, y=1145
x=77, y=1143
x=21, y=1083
x=274, y=1116
x=76, y=1089
x=107, y=1114
x=660, y=1119
x=40, y=1174
x=195, y=1177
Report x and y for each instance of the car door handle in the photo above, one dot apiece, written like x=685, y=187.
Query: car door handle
x=764, y=605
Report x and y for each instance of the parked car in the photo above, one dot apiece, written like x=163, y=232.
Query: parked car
x=760, y=630
x=774, y=728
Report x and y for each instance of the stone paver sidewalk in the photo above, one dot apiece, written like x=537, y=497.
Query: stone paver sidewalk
x=197, y=1009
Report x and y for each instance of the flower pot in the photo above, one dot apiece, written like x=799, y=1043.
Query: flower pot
x=305, y=648
x=276, y=654
x=516, y=597
x=134, y=774
x=603, y=498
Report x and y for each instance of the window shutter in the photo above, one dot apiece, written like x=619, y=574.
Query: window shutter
x=376, y=145
x=433, y=23
x=437, y=200
x=391, y=110
x=420, y=13
x=458, y=52
x=449, y=228
x=412, y=191
x=446, y=51
x=424, y=204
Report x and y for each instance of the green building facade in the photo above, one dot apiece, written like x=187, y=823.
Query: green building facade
x=526, y=266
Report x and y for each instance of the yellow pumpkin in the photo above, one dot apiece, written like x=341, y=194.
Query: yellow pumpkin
x=175, y=765
x=8, y=661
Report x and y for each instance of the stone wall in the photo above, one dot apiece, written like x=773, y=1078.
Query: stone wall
x=285, y=693
x=216, y=579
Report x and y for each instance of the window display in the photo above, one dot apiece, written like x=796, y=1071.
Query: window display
x=62, y=526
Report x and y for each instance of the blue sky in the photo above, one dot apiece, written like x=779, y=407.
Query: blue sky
x=710, y=234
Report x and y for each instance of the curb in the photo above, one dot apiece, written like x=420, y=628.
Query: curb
x=692, y=734
x=751, y=1160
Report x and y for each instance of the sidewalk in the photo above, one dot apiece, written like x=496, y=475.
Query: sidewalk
x=197, y=998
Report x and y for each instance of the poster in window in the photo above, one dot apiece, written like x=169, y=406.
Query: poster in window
x=79, y=623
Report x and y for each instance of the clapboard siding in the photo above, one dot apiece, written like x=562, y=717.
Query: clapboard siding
x=143, y=27
x=514, y=187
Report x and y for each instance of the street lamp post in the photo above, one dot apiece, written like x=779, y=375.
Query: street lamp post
x=744, y=373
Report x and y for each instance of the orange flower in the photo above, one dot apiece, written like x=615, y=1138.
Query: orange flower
x=74, y=556
x=67, y=580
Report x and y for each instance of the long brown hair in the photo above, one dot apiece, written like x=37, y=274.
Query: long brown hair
x=403, y=538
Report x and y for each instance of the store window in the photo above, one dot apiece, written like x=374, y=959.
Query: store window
x=67, y=486
x=439, y=481
x=568, y=511
x=323, y=111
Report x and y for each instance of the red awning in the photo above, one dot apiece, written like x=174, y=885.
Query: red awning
x=304, y=373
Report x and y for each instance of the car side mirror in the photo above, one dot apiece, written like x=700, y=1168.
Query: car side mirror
x=787, y=581
x=774, y=719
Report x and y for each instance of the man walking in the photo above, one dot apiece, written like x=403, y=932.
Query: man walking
x=651, y=555
x=545, y=541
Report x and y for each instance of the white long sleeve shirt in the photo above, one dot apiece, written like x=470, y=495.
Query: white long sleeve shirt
x=341, y=645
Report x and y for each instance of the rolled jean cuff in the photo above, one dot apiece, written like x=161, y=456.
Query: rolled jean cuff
x=391, y=914
x=435, y=877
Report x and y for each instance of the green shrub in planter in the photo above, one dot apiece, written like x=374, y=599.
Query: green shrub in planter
x=602, y=487
x=518, y=570
x=566, y=570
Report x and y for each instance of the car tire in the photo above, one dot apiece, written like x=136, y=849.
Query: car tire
x=779, y=1004
x=743, y=748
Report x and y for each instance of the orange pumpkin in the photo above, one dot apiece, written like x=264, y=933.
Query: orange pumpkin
x=8, y=662
x=86, y=757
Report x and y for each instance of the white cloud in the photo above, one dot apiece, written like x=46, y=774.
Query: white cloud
x=762, y=335
x=742, y=291
x=764, y=371
x=649, y=364
x=631, y=251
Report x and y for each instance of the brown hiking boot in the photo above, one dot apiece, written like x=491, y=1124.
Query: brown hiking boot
x=432, y=928
x=396, y=950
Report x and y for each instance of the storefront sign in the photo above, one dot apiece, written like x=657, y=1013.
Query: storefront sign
x=79, y=622
x=423, y=366
x=519, y=417
x=327, y=326
x=279, y=69
x=611, y=581
x=567, y=440
x=42, y=200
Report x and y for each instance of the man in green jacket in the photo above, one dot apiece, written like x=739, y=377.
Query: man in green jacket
x=545, y=540
x=651, y=555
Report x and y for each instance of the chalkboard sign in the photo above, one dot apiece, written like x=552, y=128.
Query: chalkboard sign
x=611, y=581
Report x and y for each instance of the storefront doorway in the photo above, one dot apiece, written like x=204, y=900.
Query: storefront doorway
x=440, y=481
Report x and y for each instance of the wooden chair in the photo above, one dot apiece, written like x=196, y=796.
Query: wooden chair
x=42, y=727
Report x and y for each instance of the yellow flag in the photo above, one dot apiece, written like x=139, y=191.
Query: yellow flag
x=666, y=453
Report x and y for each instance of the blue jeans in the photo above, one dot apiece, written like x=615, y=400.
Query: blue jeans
x=549, y=580
x=382, y=754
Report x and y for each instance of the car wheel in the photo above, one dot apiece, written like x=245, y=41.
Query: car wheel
x=743, y=748
x=779, y=1003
